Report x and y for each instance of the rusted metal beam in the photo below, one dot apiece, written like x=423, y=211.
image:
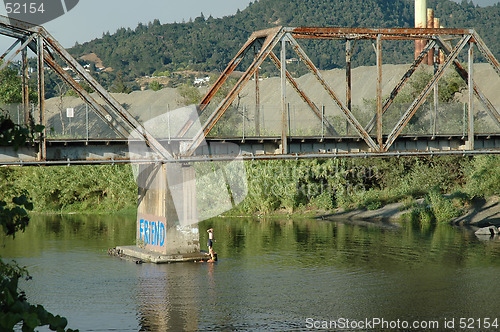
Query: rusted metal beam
x=485, y=51
x=221, y=80
x=115, y=106
x=436, y=95
x=379, y=92
x=10, y=33
x=284, y=109
x=41, y=97
x=425, y=92
x=227, y=71
x=257, y=35
x=369, y=127
x=19, y=50
x=490, y=109
x=302, y=94
x=350, y=117
x=17, y=25
x=100, y=110
x=348, y=79
x=470, y=132
x=273, y=36
x=257, y=98
x=25, y=89
x=9, y=50
x=371, y=33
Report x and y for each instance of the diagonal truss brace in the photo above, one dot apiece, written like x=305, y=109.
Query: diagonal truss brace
x=270, y=42
x=19, y=49
x=301, y=93
x=218, y=84
x=27, y=33
x=398, y=128
x=100, y=110
x=485, y=51
x=118, y=109
x=350, y=117
x=401, y=84
x=10, y=49
x=490, y=109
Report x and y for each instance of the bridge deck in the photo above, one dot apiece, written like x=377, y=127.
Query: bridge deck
x=103, y=151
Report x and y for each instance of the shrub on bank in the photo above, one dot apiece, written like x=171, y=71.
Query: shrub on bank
x=291, y=185
x=75, y=188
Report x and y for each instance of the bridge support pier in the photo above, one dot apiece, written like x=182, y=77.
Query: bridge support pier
x=166, y=209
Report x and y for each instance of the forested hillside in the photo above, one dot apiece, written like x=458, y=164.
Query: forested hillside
x=207, y=44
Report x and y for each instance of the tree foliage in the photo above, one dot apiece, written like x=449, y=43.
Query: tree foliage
x=119, y=85
x=155, y=86
x=14, y=135
x=208, y=44
x=15, y=310
x=10, y=87
x=14, y=305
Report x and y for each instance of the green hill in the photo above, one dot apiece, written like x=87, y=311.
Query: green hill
x=208, y=44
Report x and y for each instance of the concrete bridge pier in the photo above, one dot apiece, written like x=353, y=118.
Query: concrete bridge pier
x=167, y=229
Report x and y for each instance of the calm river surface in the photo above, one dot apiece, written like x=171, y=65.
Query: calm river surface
x=272, y=274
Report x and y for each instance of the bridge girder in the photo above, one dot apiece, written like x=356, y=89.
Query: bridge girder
x=49, y=52
x=264, y=43
x=268, y=39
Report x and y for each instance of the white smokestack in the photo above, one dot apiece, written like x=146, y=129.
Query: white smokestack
x=420, y=13
x=420, y=22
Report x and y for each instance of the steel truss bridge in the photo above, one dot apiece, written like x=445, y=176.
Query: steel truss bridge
x=370, y=140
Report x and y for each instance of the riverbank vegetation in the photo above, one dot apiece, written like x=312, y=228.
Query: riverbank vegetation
x=447, y=185
x=434, y=189
x=15, y=309
x=72, y=189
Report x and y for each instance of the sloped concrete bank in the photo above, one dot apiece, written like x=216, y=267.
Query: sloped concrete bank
x=483, y=213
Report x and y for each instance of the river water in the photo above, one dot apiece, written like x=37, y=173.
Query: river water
x=272, y=274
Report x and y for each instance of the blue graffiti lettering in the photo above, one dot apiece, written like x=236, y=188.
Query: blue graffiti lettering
x=157, y=231
x=153, y=226
x=162, y=232
x=151, y=232
x=140, y=228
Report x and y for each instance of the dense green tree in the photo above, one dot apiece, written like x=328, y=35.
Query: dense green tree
x=119, y=85
x=10, y=87
x=15, y=310
x=208, y=44
x=155, y=86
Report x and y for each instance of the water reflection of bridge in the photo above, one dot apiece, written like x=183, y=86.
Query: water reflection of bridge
x=339, y=132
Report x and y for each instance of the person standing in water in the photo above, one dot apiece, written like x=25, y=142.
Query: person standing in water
x=211, y=242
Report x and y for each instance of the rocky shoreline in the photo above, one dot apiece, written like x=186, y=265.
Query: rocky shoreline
x=483, y=213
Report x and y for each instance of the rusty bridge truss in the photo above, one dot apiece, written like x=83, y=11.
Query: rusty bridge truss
x=267, y=40
x=369, y=139
x=49, y=52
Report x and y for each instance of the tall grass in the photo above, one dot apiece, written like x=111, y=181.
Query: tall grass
x=278, y=185
x=73, y=189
